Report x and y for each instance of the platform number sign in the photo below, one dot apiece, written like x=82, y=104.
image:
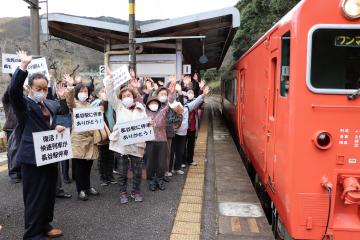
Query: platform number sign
x=186, y=69
x=102, y=70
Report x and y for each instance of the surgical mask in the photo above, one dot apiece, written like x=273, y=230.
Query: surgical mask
x=82, y=96
x=128, y=101
x=163, y=99
x=190, y=96
x=38, y=96
x=153, y=107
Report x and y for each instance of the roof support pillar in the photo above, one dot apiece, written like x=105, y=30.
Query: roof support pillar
x=178, y=59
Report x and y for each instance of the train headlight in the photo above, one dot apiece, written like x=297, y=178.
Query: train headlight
x=351, y=8
x=323, y=140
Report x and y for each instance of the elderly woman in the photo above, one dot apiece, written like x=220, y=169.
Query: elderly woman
x=127, y=109
x=83, y=145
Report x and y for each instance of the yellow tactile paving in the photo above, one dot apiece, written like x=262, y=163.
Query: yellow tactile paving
x=190, y=192
x=191, y=199
x=190, y=207
x=185, y=237
x=186, y=228
x=187, y=224
x=3, y=168
x=188, y=217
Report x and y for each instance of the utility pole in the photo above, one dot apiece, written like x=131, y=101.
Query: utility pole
x=132, y=35
x=35, y=26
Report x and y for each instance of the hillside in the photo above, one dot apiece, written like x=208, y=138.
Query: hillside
x=64, y=55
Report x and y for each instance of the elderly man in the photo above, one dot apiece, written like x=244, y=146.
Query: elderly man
x=34, y=114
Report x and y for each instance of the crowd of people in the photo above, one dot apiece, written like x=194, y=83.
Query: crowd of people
x=173, y=107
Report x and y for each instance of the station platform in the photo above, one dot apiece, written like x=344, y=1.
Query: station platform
x=214, y=200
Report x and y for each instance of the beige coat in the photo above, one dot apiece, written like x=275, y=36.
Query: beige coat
x=123, y=115
x=83, y=145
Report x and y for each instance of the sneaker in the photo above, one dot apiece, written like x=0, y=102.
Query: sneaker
x=124, y=198
x=181, y=172
x=136, y=196
x=113, y=181
x=152, y=185
x=193, y=164
x=167, y=179
x=183, y=165
x=168, y=174
x=115, y=172
x=92, y=192
x=104, y=183
x=160, y=184
x=82, y=196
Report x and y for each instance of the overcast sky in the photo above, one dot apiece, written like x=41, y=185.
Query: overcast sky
x=145, y=9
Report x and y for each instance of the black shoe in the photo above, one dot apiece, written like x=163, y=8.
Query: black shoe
x=104, y=183
x=161, y=184
x=15, y=180
x=152, y=185
x=167, y=179
x=63, y=195
x=83, y=196
x=67, y=181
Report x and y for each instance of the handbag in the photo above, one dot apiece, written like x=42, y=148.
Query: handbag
x=102, y=135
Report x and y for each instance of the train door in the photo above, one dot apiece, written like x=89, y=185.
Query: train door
x=271, y=120
x=241, y=104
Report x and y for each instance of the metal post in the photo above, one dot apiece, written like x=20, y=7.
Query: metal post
x=35, y=28
x=132, y=33
x=178, y=59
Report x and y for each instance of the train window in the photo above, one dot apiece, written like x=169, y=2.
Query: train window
x=335, y=60
x=229, y=80
x=285, y=65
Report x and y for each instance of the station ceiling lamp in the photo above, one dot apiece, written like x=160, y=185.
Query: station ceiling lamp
x=351, y=8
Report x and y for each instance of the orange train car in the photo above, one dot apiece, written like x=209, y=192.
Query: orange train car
x=293, y=102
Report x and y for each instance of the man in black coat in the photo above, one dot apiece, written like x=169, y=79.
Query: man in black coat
x=35, y=114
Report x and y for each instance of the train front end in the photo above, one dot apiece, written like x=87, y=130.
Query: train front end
x=327, y=121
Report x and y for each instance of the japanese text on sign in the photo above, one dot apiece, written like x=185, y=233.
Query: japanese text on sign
x=347, y=41
x=121, y=76
x=136, y=132
x=51, y=147
x=11, y=61
x=88, y=119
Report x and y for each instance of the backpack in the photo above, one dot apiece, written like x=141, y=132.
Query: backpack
x=175, y=119
x=13, y=146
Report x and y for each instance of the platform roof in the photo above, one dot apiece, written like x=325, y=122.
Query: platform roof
x=219, y=28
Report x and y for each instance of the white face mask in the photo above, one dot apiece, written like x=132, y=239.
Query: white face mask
x=163, y=99
x=128, y=101
x=82, y=96
x=153, y=107
x=38, y=96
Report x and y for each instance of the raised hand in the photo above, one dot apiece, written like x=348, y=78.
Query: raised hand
x=202, y=84
x=172, y=79
x=178, y=88
x=132, y=74
x=156, y=87
x=206, y=91
x=60, y=90
x=25, y=59
x=172, y=87
x=108, y=75
x=187, y=80
x=134, y=83
x=68, y=79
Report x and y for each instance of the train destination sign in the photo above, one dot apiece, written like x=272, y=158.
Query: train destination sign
x=347, y=41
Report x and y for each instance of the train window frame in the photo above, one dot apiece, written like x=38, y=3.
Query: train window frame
x=285, y=57
x=230, y=86
x=309, y=59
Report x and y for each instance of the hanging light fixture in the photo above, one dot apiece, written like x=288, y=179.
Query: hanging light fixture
x=203, y=59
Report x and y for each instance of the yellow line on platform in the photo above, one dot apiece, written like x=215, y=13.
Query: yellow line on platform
x=3, y=168
x=187, y=224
